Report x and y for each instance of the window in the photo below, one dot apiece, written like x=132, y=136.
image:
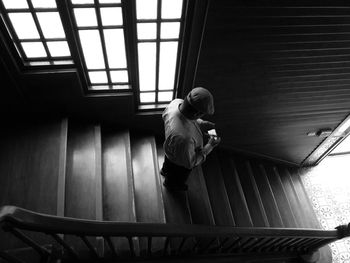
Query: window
x=158, y=37
x=116, y=45
x=37, y=31
x=342, y=148
x=100, y=27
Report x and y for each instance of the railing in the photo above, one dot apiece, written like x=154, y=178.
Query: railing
x=158, y=240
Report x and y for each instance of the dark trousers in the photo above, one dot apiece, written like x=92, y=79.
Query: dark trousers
x=175, y=174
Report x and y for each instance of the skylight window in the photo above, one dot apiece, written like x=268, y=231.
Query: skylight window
x=36, y=30
x=100, y=27
x=158, y=37
x=111, y=47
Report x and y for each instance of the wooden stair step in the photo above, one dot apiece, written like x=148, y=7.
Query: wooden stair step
x=83, y=178
x=251, y=192
x=267, y=195
x=176, y=206
x=200, y=207
x=118, y=183
x=311, y=220
x=282, y=201
x=234, y=189
x=148, y=196
x=294, y=201
x=217, y=191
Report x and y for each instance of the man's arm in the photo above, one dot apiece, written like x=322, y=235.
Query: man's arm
x=205, y=125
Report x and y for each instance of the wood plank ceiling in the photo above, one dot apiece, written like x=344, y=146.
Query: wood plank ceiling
x=277, y=70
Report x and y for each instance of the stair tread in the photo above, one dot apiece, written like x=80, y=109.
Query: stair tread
x=311, y=219
x=80, y=201
x=201, y=211
x=234, y=191
x=118, y=185
x=117, y=178
x=148, y=200
x=148, y=197
x=217, y=191
x=267, y=196
x=200, y=207
x=293, y=198
x=251, y=193
x=281, y=198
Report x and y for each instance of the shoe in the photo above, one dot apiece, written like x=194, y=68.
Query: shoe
x=175, y=187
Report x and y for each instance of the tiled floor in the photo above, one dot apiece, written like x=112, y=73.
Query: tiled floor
x=328, y=185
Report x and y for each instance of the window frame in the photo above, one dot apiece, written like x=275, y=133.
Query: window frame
x=75, y=30
x=158, y=40
x=49, y=60
x=76, y=63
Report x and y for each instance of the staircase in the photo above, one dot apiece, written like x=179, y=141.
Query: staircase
x=107, y=174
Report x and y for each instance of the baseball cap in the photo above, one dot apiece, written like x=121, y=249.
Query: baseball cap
x=202, y=100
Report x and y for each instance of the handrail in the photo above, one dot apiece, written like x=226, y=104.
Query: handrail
x=244, y=239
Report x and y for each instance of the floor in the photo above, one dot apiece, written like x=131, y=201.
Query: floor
x=328, y=185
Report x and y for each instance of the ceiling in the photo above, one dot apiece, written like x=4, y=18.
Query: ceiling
x=277, y=70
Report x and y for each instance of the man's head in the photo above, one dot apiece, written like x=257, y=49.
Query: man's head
x=197, y=103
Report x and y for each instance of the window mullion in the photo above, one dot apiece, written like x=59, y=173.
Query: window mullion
x=159, y=9
x=12, y=31
x=129, y=14
x=72, y=37
x=100, y=29
x=36, y=21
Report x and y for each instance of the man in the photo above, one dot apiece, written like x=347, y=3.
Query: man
x=184, y=130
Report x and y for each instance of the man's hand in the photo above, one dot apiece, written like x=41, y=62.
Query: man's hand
x=214, y=141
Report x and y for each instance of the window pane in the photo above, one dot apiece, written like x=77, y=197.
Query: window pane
x=344, y=146
x=115, y=46
x=112, y=16
x=167, y=65
x=98, y=77
x=58, y=49
x=146, y=30
x=85, y=16
x=24, y=25
x=15, y=4
x=51, y=25
x=165, y=96
x=109, y=1
x=119, y=76
x=92, y=49
x=44, y=3
x=146, y=9
x=147, y=66
x=170, y=30
x=147, y=97
x=34, y=49
x=171, y=8
x=82, y=1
